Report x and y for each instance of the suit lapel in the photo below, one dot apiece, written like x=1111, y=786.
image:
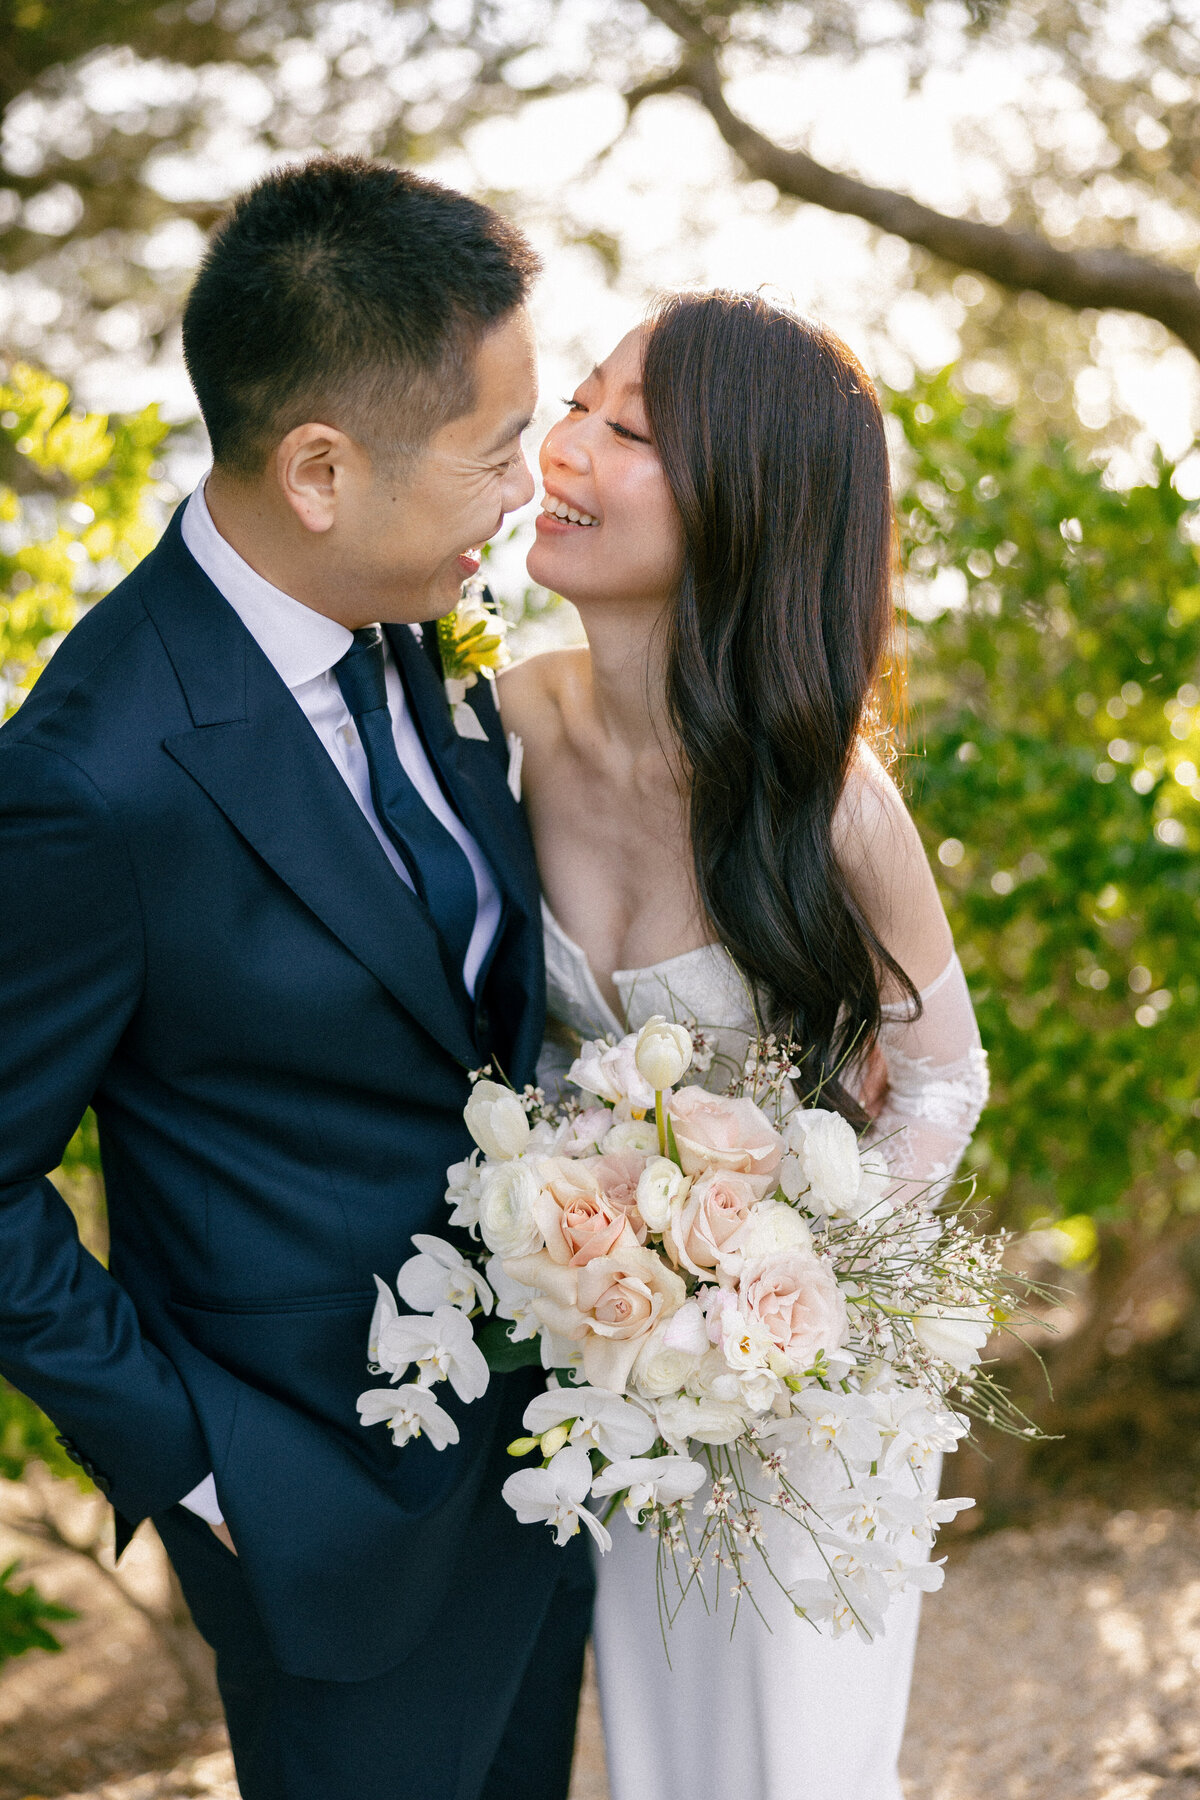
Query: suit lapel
x=256, y=756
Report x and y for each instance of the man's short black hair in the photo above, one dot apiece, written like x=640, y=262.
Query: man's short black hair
x=351, y=293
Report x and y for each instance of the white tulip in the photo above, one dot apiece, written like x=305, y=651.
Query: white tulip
x=661, y=1186
x=954, y=1335
x=664, y=1052
x=507, y=1193
x=497, y=1120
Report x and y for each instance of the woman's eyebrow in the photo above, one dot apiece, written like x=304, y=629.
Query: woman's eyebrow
x=627, y=387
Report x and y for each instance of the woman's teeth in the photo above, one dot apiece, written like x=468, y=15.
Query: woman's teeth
x=558, y=509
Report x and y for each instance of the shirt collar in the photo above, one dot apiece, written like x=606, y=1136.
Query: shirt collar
x=299, y=643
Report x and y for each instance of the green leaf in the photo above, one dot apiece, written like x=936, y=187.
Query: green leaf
x=501, y=1354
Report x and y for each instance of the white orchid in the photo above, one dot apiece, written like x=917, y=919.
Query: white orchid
x=443, y=1347
x=440, y=1275
x=555, y=1496
x=827, y=1421
x=600, y=1420
x=649, y=1481
x=513, y=1301
x=409, y=1411
x=462, y=1193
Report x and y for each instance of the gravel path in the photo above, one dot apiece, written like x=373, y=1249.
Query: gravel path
x=1057, y=1664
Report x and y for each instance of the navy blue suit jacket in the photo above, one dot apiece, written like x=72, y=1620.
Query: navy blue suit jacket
x=203, y=939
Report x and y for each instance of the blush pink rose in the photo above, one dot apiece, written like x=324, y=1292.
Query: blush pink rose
x=795, y=1297
x=714, y=1132
x=576, y=1219
x=713, y=1210
x=617, y=1173
x=609, y=1305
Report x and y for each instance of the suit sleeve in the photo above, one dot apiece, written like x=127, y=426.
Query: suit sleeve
x=71, y=969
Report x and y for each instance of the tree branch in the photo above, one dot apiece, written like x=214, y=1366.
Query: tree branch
x=1016, y=259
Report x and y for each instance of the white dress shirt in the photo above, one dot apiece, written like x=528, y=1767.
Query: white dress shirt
x=303, y=646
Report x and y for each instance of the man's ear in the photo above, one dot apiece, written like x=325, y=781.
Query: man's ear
x=312, y=464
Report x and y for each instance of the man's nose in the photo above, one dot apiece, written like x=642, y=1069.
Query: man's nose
x=518, y=490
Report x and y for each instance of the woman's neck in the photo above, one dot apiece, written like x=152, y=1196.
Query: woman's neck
x=628, y=678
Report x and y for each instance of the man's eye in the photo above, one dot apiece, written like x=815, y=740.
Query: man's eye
x=574, y=405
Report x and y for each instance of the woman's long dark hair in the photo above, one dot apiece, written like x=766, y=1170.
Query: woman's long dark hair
x=772, y=442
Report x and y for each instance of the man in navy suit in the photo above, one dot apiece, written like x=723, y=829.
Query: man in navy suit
x=263, y=907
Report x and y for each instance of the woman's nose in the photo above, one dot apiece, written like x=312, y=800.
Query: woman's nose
x=563, y=446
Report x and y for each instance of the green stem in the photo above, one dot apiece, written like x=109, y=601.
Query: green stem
x=660, y=1119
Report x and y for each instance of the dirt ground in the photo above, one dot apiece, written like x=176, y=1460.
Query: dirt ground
x=1058, y=1663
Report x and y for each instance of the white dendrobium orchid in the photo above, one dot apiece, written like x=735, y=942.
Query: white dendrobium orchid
x=555, y=1496
x=409, y=1411
x=649, y=1481
x=602, y=1420
x=443, y=1347
x=497, y=1120
x=513, y=1301
x=610, y=1072
x=663, y=1052
x=831, y=1421
x=955, y=1335
x=462, y=1193
x=440, y=1275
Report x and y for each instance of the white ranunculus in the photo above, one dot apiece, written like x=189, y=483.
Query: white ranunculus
x=661, y=1185
x=508, y=1193
x=955, y=1335
x=822, y=1162
x=668, y=1358
x=631, y=1134
x=771, y=1227
x=663, y=1052
x=680, y=1418
x=497, y=1120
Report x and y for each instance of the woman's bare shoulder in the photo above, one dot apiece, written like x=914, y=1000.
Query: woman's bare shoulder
x=534, y=693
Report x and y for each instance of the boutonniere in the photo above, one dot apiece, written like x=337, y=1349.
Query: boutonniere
x=471, y=640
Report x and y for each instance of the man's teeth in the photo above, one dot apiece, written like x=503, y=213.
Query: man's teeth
x=558, y=509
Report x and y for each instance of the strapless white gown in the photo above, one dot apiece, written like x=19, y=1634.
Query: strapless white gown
x=774, y=1711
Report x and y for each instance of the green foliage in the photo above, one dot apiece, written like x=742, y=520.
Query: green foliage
x=73, y=516
x=1056, y=710
x=23, y=1617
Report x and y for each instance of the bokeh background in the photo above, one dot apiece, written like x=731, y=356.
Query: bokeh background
x=997, y=203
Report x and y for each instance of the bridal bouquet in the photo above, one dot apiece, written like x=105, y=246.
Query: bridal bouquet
x=737, y=1313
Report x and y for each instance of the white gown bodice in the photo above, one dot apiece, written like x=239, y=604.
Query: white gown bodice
x=936, y=1066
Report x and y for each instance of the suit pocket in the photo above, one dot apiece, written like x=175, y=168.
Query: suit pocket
x=308, y=1351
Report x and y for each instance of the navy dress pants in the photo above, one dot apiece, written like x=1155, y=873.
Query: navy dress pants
x=483, y=1710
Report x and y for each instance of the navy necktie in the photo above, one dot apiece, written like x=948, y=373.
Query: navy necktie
x=437, y=864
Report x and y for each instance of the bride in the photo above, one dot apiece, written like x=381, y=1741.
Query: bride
x=712, y=823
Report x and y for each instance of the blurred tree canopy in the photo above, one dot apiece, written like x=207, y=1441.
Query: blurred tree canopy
x=127, y=123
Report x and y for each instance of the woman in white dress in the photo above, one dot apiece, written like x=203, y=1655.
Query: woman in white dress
x=712, y=824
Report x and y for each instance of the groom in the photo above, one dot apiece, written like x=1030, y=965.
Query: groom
x=263, y=908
